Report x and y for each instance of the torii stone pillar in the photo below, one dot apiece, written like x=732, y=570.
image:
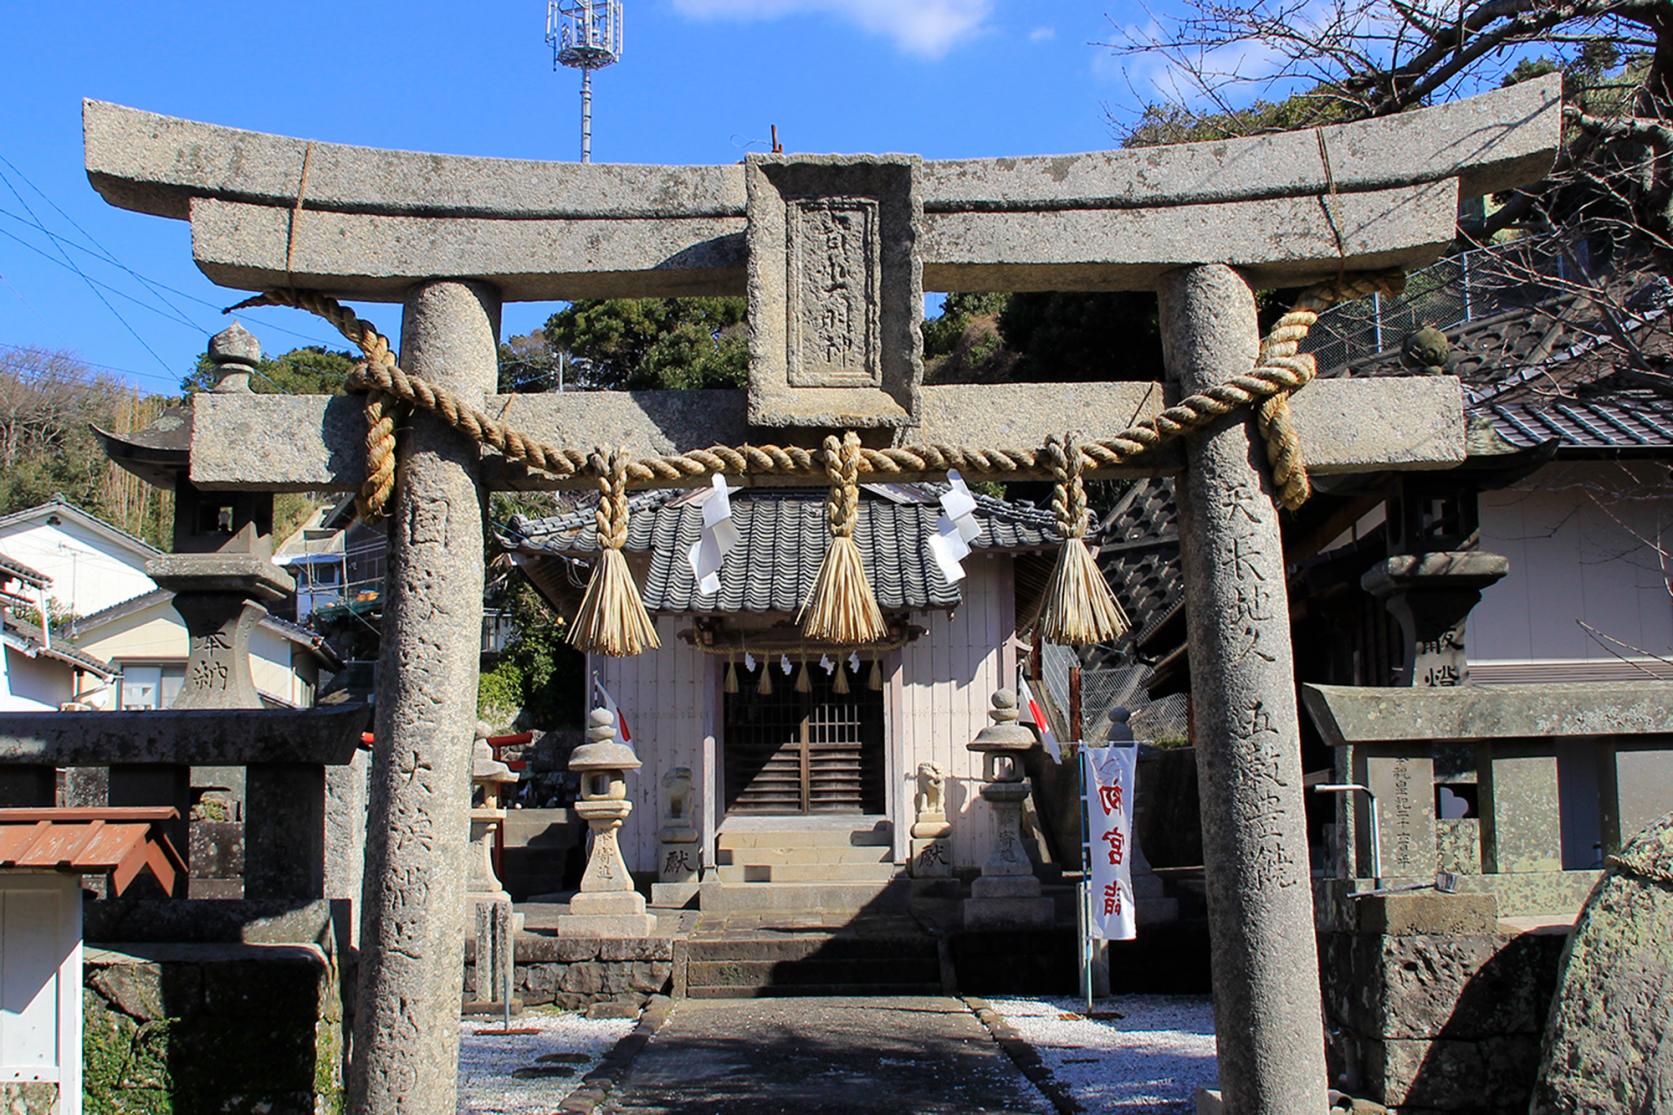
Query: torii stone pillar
x=1267, y=1011
x=412, y=957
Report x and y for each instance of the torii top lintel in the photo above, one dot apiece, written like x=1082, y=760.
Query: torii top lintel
x=834, y=253
x=377, y=220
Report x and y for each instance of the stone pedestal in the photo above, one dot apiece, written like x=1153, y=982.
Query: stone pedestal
x=679, y=858
x=607, y=905
x=1006, y=895
x=932, y=845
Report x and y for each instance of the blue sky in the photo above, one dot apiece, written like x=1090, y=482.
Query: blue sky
x=701, y=82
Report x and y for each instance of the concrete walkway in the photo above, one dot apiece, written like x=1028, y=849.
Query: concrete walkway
x=825, y=1055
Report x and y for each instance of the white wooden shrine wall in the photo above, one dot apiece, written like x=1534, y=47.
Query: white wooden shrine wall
x=936, y=700
x=941, y=696
x=668, y=699
x=1579, y=536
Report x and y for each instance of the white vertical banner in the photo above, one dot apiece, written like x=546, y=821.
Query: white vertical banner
x=1110, y=773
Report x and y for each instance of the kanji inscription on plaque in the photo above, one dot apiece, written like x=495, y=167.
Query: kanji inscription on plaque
x=835, y=270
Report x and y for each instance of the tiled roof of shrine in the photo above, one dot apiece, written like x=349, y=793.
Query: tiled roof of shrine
x=1615, y=421
x=783, y=537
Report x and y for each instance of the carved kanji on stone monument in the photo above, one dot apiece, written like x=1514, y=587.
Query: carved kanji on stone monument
x=834, y=254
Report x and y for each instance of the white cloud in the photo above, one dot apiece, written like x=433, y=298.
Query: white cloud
x=925, y=27
x=1042, y=34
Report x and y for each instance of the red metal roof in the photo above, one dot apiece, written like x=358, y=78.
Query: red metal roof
x=120, y=842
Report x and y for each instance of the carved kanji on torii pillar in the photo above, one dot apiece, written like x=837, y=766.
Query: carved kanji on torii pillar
x=834, y=253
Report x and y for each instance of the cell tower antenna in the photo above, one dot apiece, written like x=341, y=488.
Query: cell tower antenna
x=586, y=35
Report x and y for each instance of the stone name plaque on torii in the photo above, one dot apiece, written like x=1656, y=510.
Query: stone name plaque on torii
x=834, y=253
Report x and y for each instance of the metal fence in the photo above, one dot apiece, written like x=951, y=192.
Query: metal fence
x=1478, y=283
x=1105, y=688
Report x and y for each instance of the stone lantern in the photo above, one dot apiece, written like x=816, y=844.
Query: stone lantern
x=607, y=905
x=1006, y=895
x=490, y=776
x=496, y=926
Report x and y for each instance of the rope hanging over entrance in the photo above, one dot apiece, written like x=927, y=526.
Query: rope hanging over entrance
x=1079, y=608
x=612, y=618
x=840, y=607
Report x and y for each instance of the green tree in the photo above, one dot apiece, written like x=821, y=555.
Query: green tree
x=636, y=343
x=314, y=370
x=538, y=679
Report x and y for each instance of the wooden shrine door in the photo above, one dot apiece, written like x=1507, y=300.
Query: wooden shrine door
x=800, y=753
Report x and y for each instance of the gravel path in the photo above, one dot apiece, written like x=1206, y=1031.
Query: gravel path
x=1152, y=1060
x=530, y=1072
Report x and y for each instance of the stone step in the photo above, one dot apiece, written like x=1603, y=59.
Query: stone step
x=805, y=872
x=799, y=837
x=865, y=853
x=751, y=974
x=784, y=948
x=849, y=899
x=815, y=990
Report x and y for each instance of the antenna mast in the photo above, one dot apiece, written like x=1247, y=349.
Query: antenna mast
x=585, y=35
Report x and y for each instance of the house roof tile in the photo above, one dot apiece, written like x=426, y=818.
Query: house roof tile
x=782, y=539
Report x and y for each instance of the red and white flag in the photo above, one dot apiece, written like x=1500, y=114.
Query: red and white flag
x=609, y=703
x=1033, y=714
x=1110, y=774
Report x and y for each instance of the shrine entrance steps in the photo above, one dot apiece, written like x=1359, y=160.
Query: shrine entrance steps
x=751, y=956
x=837, y=867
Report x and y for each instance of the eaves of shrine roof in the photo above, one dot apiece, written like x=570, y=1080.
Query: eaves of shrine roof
x=1624, y=422
x=783, y=536
x=1138, y=552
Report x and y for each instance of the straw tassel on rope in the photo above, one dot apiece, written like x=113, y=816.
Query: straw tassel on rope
x=730, y=685
x=1078, y=609
x=612, y=619
x=840, y=607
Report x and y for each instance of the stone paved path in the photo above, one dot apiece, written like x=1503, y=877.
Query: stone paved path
x=823, y=1056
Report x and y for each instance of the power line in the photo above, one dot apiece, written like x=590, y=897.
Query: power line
x=150, y=282
x=95, y=364
x=90, y=286
x=91, y=239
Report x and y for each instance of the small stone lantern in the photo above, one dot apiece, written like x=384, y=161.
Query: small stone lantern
x=607, y=905
x=1006, y=895
x=490, y=776
x=496, y=925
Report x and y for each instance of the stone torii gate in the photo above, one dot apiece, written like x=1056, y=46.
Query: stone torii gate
x=834, y=253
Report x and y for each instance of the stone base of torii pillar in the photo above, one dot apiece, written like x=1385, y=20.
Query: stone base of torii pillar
x=607, y=905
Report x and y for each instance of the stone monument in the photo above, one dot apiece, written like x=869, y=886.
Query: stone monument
x=1006, y=895
x=450, y=238
x=607, y=905
x=932, y=852
x=678, y=858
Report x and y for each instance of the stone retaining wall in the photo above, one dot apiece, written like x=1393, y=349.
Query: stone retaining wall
x=1431, y=1007
x=576, y=972
x=227, y=1028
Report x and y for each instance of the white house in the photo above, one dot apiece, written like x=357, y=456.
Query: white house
x=120, y=616
x=39, y=673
